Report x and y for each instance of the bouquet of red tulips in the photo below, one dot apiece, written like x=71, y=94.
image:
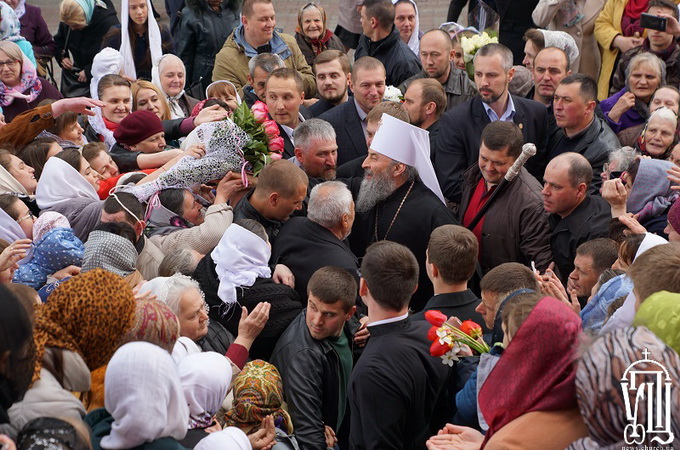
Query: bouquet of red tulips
x=448, y=340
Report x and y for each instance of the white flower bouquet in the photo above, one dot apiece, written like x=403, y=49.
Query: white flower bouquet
x=471, y=45
x=393, y=94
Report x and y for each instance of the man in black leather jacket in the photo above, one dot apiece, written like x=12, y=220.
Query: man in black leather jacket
x=314, y=357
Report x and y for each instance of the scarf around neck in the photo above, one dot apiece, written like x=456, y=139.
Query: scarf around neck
x=29, y=87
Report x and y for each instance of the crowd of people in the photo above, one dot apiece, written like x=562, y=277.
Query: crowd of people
x=162, y=289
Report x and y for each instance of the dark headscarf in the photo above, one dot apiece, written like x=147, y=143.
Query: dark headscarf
x=49, y=433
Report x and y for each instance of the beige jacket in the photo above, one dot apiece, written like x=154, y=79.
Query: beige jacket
x=202, y=238
x=149, y=260
x=48, y=398
x=547, y=15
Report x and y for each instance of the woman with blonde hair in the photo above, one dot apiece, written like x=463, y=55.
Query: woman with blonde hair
x=83, y=24
x=148, y=96
x=21, y=88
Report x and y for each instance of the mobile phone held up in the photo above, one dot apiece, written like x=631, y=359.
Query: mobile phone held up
x=653, y=22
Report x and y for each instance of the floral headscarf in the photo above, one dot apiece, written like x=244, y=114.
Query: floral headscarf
x=258, y=393
x=29, y=87
x=155, y=323
x=599, y=391
x=9, y=24
x=88, y=314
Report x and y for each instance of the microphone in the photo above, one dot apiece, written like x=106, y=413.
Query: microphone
x=528, y=150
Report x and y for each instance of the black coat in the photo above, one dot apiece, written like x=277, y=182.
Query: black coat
x=421, y=213
x=288, y=146
x=399, y=60
x=461, y=135
x=305, y=246
x=459, y=304
x=590, y=220
x=202, y=33
x=285, y=306
x=349, y=132
x=595, y=144
x=245, y=210
x=395, y=388
x=141, y=54
x=86, y=43
x=320, y=107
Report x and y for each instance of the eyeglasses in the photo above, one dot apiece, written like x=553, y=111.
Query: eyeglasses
x=10, y=64
x=27, y=216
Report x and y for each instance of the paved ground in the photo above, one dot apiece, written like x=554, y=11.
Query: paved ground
x=432, y=12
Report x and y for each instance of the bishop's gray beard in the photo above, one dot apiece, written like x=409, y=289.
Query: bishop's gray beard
x=374, y=190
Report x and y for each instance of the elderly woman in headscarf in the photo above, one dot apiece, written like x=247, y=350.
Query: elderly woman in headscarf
x=634, y=355
x=143, y=42
x=76, y=332
x=82, y=26
x=644, y=190
x=311, y=33
x=527, y=399
x=666, y=96
x=21, y=88
x=258, y=393
x=170, y=75
x=18, y=179
x=629, y=107
x=145, y=407
x=205, y=378
x=659, y=135
x=237, y=274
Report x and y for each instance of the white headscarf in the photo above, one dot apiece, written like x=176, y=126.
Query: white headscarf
x=231, y=438
x=11, y=231
x=183, y=348
x=562, y=40
x=215, y=83
x=175, y=110
x=106, y=62
x=205, y=379
x=59, y=183
x=154, y=35
x=10, y=185
x=240, y=257
x=144, y=396
x=414, y=40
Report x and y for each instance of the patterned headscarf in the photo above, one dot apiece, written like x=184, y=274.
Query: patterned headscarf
x=9, y=24
x=595, y=312
x=598, y=385
x=49, y=220
x=110, y=252
x=155, y=323
x=51, y=433
x=88, y=314
x=660, y=313
x=651, y=194
x=29, y=87
x=258, y=393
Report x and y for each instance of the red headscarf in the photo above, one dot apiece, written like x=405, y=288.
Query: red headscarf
x=537, y=371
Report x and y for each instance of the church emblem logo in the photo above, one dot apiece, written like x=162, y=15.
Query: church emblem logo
x=649, y=389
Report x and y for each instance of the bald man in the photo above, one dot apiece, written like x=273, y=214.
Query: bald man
x=575, y=216
x=280, y=191
x=436, y=56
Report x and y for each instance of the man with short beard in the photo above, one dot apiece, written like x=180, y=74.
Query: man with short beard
x=315, y=149
x=399, y=199
x=458, y=144
x=332, y=72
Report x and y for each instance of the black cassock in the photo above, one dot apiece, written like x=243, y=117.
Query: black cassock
x=420, y=214
x=396, y=389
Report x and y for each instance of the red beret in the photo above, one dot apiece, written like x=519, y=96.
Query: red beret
x=136, y=127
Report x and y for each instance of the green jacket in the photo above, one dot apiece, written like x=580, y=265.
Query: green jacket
x=101, y=421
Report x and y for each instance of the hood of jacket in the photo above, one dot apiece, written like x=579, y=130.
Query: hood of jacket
x=279, y=47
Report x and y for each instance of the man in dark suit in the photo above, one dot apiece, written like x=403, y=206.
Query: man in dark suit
x=451, y=262
x=306, y=244
x=332, y=72
x=381, y=40
x=458, y=143
x=396, y=385
x=349, y=119
x=284, y=96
